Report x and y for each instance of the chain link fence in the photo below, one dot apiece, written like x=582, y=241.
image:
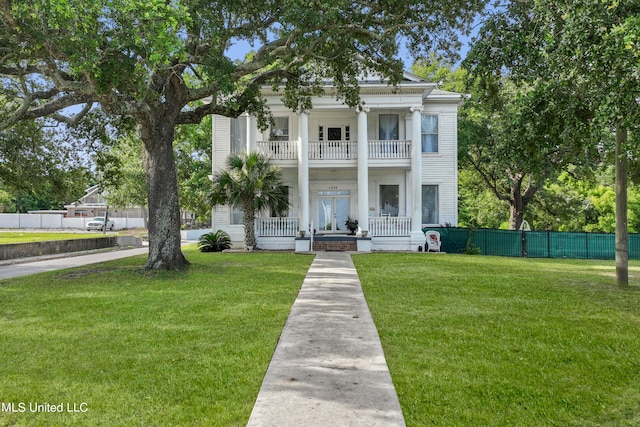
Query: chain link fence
x=534, y=244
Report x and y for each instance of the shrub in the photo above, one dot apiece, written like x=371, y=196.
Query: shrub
x=214, y=242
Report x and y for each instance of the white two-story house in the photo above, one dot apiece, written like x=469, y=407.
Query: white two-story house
x=391, y=165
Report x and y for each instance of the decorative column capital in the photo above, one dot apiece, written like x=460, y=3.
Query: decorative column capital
x=363, y=109
x=417, y=109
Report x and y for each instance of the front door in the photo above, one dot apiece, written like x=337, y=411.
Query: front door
x=333, y=209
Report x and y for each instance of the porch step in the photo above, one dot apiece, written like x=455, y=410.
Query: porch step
x=335, y=243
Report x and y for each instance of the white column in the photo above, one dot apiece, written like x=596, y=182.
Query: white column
x=417, y=237
x=303, y=171
x=363, y=170
x=252, y=130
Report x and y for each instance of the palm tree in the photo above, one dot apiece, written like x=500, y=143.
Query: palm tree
x=253, y=184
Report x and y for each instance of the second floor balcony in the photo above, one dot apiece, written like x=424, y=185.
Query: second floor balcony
x=337, y=150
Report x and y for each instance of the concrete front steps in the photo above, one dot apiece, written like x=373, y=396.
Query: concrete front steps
x=334, y=243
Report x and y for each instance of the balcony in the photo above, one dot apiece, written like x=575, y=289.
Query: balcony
x=337, y=150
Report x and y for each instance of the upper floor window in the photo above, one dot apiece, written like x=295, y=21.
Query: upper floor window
x=429, y=134
x=279, y=129
x=389, y=127
x=238, y=135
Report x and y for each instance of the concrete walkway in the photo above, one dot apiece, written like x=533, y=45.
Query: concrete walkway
x=26, y=266
x=328, y=368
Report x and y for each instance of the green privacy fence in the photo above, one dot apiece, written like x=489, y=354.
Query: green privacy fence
x=534, y=244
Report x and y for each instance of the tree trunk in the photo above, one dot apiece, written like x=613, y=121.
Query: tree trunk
x=516, y=215
x=249, y=219
x=162, y=193
x=622, y=232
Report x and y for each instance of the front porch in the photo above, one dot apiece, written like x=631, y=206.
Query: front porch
x=385, y=226
x=385, y=233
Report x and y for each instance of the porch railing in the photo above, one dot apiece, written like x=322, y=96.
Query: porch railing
x=279, y=150
x=336, y=150
x=390, y=149
x=277, y=227
x=390, y=226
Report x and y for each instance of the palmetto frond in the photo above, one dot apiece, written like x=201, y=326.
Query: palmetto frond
x=252, y=183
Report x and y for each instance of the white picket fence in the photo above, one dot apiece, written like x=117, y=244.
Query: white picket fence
x=58, y=221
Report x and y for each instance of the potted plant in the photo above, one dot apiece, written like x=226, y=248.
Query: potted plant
x=352, y=225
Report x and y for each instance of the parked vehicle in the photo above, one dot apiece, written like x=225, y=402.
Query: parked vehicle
x=97, y=223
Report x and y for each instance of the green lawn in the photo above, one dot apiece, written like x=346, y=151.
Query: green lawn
x=470, y=341
x=488, y=341
x=7, y=237
x=145, y=349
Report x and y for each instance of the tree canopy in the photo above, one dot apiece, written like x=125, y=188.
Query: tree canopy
x=584, y=52
x=153, y=60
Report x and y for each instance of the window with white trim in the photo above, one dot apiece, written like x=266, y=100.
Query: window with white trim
x=238, y=135
x=388, y=127
x=429, y=133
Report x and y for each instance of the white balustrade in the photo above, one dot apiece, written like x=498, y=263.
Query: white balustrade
x=279, y=150
x=336, y=150
x=390, y=226
x=394, y=149
x=333, y=150
x=276, y=227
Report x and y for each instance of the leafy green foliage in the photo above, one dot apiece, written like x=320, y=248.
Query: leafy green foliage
x=193, y=160
x=214, y=242
x=581, y=53
x=39, y=169
x=435, y=68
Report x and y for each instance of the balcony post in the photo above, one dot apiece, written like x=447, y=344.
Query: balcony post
x=303, y=170
x=363, y=170
x=252, y=130
x=417, y=236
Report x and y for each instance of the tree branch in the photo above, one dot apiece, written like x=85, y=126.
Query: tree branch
x=49, y=108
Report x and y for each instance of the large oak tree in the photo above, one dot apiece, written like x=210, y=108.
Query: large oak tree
x=152, y=60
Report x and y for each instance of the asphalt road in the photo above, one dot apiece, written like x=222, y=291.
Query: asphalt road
x=25, y=267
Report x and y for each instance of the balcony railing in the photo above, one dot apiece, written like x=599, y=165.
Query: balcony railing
x=277, y=227
x=336, y=150
x=390, y=149
x=333, y=150
x=279, y=150
x=390, y=226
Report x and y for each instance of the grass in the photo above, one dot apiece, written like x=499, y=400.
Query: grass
x=470, y=341
x=488, y=341
x=7, y=237
x=188, y=348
